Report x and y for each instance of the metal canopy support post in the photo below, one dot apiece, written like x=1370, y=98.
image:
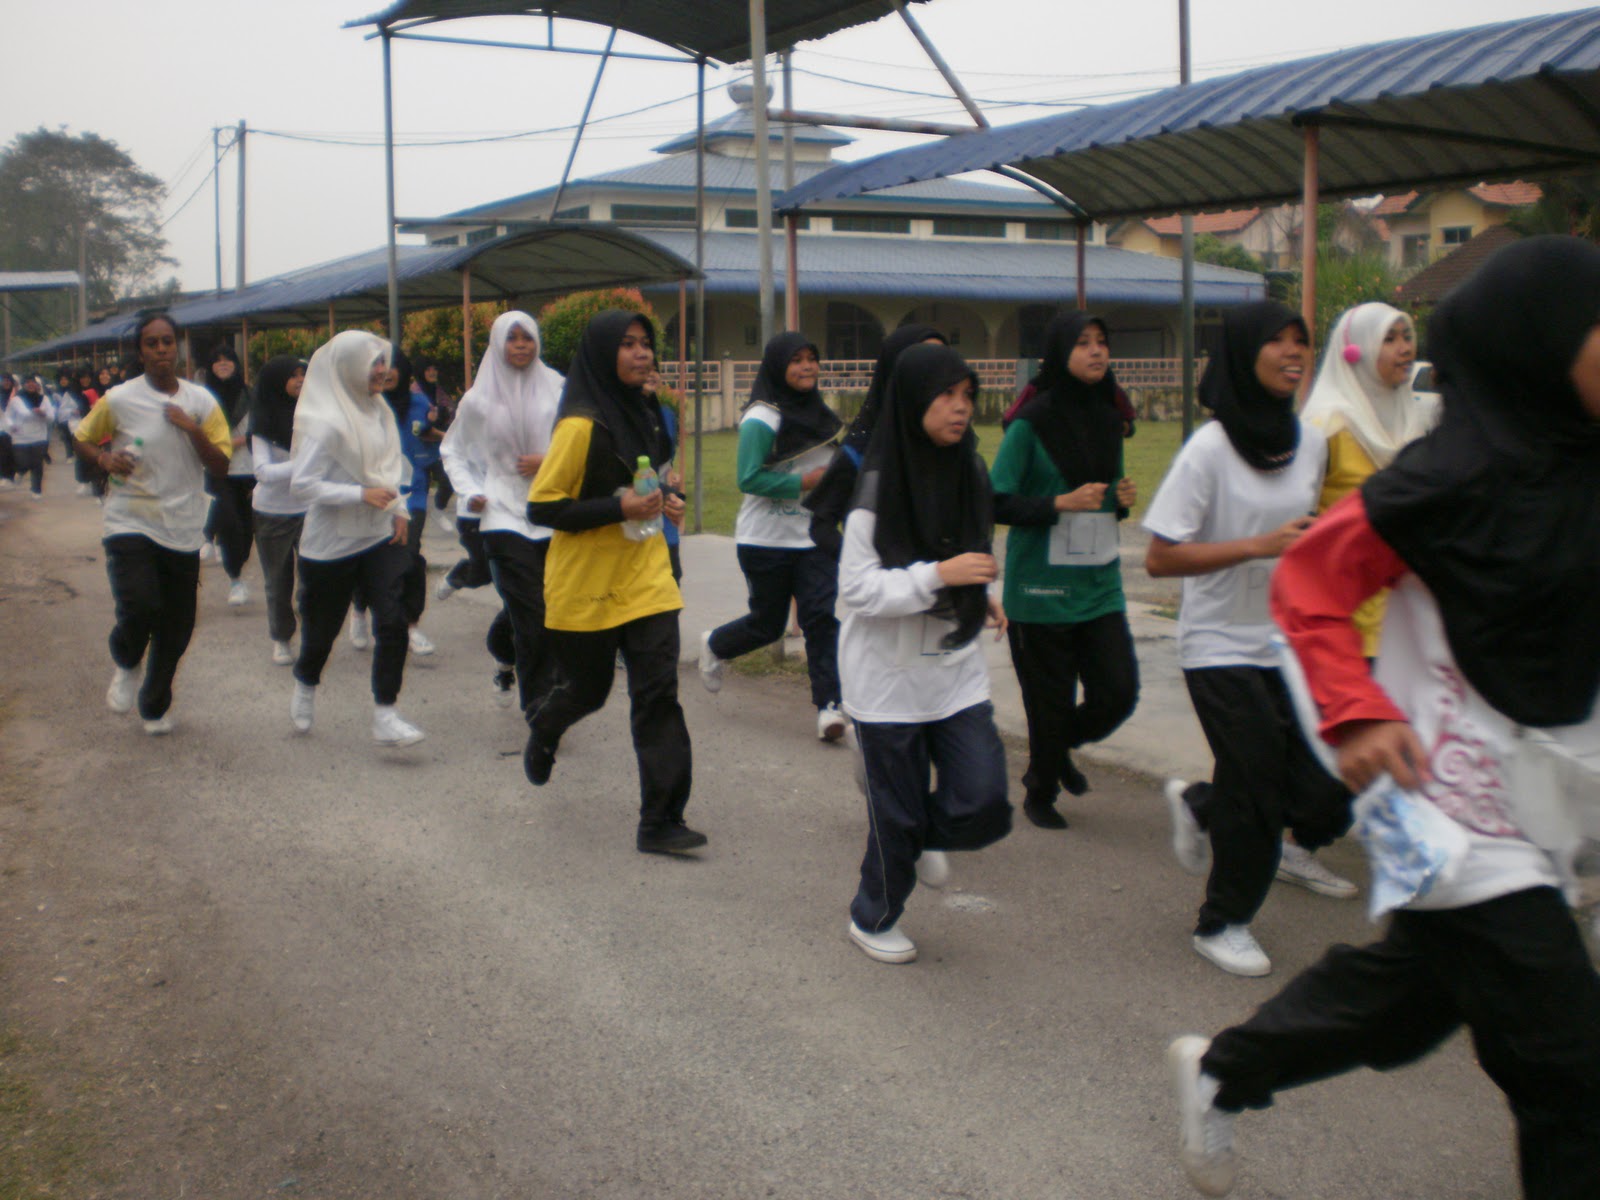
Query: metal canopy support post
x=466, y=326
x=758, y=110
x=1308, y=234
x=238, y=282
x=216, y=196
x=1186, y=314
x=583, y=121
x=1083, y=285
x=791, y=221
x=388, y=168
x=332, y=328
x=928, y=48
x=699, y=284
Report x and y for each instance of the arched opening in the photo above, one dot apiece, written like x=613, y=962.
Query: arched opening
x=852, y=332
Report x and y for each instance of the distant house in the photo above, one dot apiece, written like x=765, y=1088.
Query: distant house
x=1271, y=234
x=1429, y=285
x=1422, y=227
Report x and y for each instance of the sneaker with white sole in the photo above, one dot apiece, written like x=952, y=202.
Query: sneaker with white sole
x=445, y=590
x=1190, y=845
x=282, y=656
x=302, y=707
x=1234, y=949
x=421, y=644
x=158, y=726
x=124, y=690
x=360, y=632
x=505, y=684
x=389, y=728
x=1300, y=867
x=830, y=723
x=933, y=868
x=238, y=593
x=208, y=552
x=886, y=946
x=1205, y=1132
x=710, y=665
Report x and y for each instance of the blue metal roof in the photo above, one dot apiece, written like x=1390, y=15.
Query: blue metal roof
x=1520, y=98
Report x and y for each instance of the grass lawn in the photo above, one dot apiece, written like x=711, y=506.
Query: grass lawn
x=1148, y=453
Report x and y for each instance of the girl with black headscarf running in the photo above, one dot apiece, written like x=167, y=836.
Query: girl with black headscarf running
x=278, y=515
x=786, y=439
x=913, y=577
x=230, y=524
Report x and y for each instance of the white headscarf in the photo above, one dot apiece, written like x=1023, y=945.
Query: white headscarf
x=337, y=411
x=521, y=405
x=1349, y=396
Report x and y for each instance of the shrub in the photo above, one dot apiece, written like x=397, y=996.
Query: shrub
x=562, y=322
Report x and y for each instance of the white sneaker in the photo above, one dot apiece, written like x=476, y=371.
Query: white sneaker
x=302, y=707
x=1205, y=1132
x=830, y=723
x=1299, y=866
x=158, y=727
x=35, y=496
x=505, y=684
x=282, y=656
x=1190, y=844
x=84, y=489
x=208, y=552
x=360, y=634
x=389, y=728
x=1235, y=950
x=420, y=644
x=238, y=593
x=710, y=665
x=444, y=591
x=887, y=946
x=124, y=690
x=933, y=868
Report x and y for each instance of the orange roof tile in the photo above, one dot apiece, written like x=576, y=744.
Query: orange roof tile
x=1509, y=195
x=1430, y=285
x=1391, y=206
x=1223, y=222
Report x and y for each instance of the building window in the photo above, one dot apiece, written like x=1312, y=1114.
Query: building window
x=969, y=227
x=1414, y=250
x=855, y=223
x=578, y=212
x=478, y=236
x=853, y=332
x=671, y=214
x=1049, y=231
x=745, y=218
x=453, y=240
x=1455, y=235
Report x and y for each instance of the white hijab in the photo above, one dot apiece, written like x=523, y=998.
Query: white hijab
x=1349, y=396
x=336, y=410
x=521, y=405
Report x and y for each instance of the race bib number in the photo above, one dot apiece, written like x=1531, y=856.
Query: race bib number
x=921, y=642
x=1083, y=540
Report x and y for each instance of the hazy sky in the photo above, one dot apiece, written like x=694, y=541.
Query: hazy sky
x=157, y=77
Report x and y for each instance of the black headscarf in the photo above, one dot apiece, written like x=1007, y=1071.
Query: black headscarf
x=830, y=500
x=272, y=411
x=230, y=392
x=32, y=399
x=422, y=366
x=399, y=396
x=1498, y=509
x=931, y=502
x=1262, y=427
x=807, y=421
x=594, y=390
x=1078, y=423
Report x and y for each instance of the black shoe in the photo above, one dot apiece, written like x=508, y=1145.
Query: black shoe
x=1041, y=810
x=537, y=760
x=1073, y=779
x=669, y=839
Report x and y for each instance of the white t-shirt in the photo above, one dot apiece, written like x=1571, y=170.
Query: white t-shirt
x=891, y=666
x=770, y=522
x=243, y=461
x=28, y=426
x=1211, y=494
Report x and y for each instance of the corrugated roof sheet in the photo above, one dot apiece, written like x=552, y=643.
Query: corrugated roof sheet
x=1518, y=98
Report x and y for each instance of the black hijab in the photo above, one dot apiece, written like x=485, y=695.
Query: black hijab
x=1077, y=423
x=272, y=412
x=807, y=421
x=399, y=396
x=931, y=502
x=594, y=390
x=1262, y=427
x=1498, y=509
x=896, y=344
x=230, y=392
x=8, y=384
x=431, y=390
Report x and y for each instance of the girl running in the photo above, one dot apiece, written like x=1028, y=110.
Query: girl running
x=28, y=417
x=277, y=516
x=230, y=525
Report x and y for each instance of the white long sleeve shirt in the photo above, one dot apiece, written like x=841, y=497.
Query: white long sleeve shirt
x=338, y=522
x=478, y=465
x=273, y=470
x=28, y=425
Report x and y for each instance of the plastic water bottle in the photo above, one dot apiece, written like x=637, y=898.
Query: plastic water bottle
x=645, y=481
x=134, y=451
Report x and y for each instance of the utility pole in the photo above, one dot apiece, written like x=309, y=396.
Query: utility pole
x=216, y=196
x=83, y=273
x=1186, y=320
x=758, y=106
x=238, y=283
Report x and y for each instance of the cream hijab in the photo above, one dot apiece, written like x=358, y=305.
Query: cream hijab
x=1348, y=395
x=337, y=411
x=520, y=405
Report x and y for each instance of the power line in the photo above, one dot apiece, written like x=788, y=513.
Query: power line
x=204, y=179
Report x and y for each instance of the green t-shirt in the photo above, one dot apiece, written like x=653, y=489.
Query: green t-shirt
x=1039, y=591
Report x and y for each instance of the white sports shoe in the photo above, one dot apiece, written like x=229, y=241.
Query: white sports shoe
x=710, y=665
x=420, y=642
x=158, y=726
x=505, y=683
x=1300, y=867
x=1235, y=950
x=1190, y=845
x=933, y=868
x=238, y=593
x=830, y=723
x=208, y=552
x=302, y=707
x=389, y=728
x=1205, y=1132
x=887, y=946
x=444, y=591
x=360, y=633
x=282, y=656
x=124, y=690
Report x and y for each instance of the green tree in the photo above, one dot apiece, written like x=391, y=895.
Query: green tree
x=1570, y=204
x=1209, y=248
x=1345, y=277
x=71, y=202
x=436, y=333
x=562, y=322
